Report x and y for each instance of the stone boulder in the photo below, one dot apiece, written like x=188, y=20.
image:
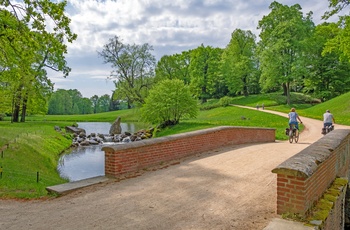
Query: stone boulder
x=76, y=130
x=116, y=128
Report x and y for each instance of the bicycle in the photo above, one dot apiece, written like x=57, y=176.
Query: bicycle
x=293, y=134
x=328, y=129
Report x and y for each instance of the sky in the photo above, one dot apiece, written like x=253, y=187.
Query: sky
x=169, y=26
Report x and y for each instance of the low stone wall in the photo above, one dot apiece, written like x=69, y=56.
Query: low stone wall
x=133, y=157
x=304, y=178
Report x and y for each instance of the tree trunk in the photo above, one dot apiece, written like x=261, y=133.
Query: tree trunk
x=24, y=108
x=15, y=114
x=285, y=90
x=288, y=93
x=245, y=88
x=16, y=107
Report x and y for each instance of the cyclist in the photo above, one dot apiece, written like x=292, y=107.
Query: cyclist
x=293, y=118
x=328, y=120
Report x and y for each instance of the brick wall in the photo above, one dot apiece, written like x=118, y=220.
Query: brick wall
x=132, y=157
x=303, y=178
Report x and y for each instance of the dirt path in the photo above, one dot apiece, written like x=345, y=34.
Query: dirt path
x=231, y=188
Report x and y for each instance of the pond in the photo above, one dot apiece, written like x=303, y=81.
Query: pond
x=88, y=161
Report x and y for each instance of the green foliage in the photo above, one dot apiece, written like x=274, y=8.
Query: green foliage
x=174, y=67
x=239, y=65
x=205, y=79
x=341, y=41
x=282, y=47
x=327, y=76
x=69, y=102
x=28, y=46
x=169, y=101
x=225, y=101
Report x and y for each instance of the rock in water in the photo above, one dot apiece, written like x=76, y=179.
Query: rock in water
x=115, y=128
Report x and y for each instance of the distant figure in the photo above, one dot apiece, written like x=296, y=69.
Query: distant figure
x=257, y=106
x=263, y=106
x=293, y=118
x=328, y=119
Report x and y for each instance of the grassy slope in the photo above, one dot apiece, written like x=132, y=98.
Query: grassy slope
x=33, y=149
x=231, y=116
x=339, y=106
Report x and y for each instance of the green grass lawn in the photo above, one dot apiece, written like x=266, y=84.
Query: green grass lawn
x=233, y=116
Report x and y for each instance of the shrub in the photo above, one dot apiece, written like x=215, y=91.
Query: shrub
x=168, y=102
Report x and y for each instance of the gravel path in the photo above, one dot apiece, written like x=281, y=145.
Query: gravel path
x=230, y=188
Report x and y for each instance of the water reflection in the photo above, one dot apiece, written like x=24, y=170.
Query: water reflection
x=82, y=163
x=86, y=162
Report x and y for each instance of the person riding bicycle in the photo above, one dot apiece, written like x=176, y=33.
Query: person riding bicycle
x=293, y=119
x=328, y=119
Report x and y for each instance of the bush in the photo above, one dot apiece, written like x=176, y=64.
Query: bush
x=2, y=116
x=225, y=101
x=168, y=102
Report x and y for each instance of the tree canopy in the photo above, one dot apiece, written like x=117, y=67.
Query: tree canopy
x=32, y=39
x=168, y=102
x=283, y=32
x=132, y=68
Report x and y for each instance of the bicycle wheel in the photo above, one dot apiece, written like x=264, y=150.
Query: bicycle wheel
x=296, y=137
x=291, y=136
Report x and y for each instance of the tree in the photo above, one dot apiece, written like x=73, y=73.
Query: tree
x=60, y=103
x=340, y=42
x=168, y=102
x=104, y=103
x=174, y=67
x=205, y=79
x=69, y=102
x=133, y=68
x=31, y=39
x=239, y=65
x=94, y=101
x=327, y=74
x=281, y=47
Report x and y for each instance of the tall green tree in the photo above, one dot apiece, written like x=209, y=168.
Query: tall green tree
x=60, y=103
x=104, y=103
x=133, y=68
x=340, y=42
x=283, y=32
x=174, y=66
x=206, y=79
x=94, y=101
x=239, y=65
x=32, y=39
x=327, y=75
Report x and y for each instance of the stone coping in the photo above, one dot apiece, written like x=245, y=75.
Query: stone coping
x=152, y=141
x=306, y=162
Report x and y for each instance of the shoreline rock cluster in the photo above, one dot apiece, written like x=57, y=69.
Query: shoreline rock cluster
x=80, y=138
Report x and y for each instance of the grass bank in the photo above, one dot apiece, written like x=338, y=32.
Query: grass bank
x=29, y=158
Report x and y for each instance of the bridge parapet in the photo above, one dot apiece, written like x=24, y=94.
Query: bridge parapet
x=162, y=151
x=303, y=179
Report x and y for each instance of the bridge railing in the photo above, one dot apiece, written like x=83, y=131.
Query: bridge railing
x=137, y=156
x=303, y=179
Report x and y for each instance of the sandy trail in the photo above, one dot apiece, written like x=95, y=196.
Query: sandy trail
x=230, y=188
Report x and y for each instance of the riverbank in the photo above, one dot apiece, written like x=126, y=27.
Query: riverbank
x=29, y=158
